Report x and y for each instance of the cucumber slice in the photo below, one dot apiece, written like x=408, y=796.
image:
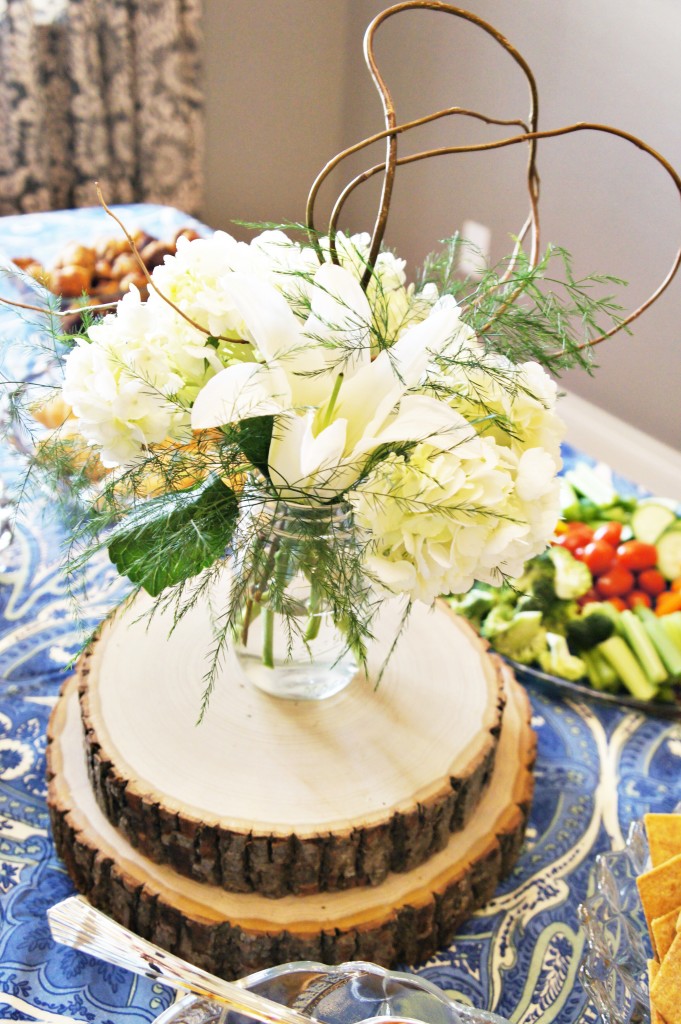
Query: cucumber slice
x=592, y=484
x=669, y=553
x=650, y=520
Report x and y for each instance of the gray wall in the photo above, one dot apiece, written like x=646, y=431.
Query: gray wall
x=287, y=89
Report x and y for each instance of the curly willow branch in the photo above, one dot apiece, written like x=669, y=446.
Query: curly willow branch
x=547, y=134
x=393, y=130
x=530, y=135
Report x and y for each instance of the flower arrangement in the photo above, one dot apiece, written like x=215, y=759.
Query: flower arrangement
x=344, y=433
x=259, y=381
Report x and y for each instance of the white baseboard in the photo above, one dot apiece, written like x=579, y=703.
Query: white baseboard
x=624, y=448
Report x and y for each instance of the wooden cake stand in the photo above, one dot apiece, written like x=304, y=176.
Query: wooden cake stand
x=356, y=811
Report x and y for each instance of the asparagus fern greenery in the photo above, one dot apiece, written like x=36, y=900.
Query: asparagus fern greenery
x=401, y=441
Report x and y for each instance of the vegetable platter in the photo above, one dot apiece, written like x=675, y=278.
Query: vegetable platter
x=598, y=613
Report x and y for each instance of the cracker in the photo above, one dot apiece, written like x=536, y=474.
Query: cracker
x=660, y=889
x=655, y=1016
x=663, y=929
x=665, y=991
x=664, y=836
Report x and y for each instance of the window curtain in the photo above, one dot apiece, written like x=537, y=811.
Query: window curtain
x=100, y=90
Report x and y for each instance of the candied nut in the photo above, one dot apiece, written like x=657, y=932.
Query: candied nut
x=189, y=233
x=114, y=247
x=52, y=413
x=70, y=281
x=124, y=264
x=75, y=255
x=103, y=268
x=137, y=278
x=142, y=238
x=107, y=289
x=39, y=273
x=155, y=252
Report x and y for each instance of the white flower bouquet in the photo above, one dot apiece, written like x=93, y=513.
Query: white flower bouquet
x=343, y=444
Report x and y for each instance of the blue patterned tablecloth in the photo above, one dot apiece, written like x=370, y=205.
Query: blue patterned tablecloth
x=598, y=768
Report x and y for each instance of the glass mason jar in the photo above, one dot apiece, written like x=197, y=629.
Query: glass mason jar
x=291, y=578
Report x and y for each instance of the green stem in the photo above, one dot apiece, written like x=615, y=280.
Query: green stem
x=279, y=570
x=268, y=638
x=328, y=413
x=314, y=619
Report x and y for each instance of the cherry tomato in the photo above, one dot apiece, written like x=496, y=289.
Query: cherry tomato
x=611, y=533
x=598, y=556
x=675, y=585
x=652, y=581
x=617, y=603
x=576, y=537
x=668, y=602
x=617, y=582
x=639, y=597
x=634, y=554
x=591, y=595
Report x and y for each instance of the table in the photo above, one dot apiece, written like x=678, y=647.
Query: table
x=598, y=768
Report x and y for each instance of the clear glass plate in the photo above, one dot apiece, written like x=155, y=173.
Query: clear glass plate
x=345, y=994
x=614, y=970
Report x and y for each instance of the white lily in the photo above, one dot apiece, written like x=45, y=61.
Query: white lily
x=333, y=404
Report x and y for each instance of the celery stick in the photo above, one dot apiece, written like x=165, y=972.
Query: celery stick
x=643, y=647
x=602, y=675
x=671, y=624
x=669, y=651
x=623, y=660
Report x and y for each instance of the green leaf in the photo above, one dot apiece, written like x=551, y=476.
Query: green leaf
x=253, y=437
x=174, y=541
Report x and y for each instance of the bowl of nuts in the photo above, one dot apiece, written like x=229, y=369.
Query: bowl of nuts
x=98, y=273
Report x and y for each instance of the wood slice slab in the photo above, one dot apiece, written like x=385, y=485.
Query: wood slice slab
x=404, y=919
x=278, y=796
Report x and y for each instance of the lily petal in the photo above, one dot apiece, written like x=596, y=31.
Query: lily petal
x=391, y=374
x=420, y=418
x=325, y=451
x=341, y=314
x=238, y=393
x=265, y=312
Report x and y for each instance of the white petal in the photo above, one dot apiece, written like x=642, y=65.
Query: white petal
x=340, y=313
x=284, y=457
x=412, y=352
x=239, y=392
x=324, y=452
x=265, y=312
x=419, y=418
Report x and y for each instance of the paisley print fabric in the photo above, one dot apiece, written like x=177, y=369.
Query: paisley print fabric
x=100, y=90
x=598, y=768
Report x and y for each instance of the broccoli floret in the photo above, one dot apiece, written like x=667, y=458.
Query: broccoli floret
x=537, y=577
x=474, y=605
x=586, y=631
x=497, y=620
x=572, y=578
x=558, y=661
x=521, y=637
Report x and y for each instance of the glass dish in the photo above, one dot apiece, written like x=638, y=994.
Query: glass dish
x=345, y=994
x=613, y=970
x=554, y=684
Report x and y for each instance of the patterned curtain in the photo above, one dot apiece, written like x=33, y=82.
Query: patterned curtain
x=100, y=90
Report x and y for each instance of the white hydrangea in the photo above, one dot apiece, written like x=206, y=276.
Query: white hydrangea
x=513, y=403
x=440, y=520
x=132, y=384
